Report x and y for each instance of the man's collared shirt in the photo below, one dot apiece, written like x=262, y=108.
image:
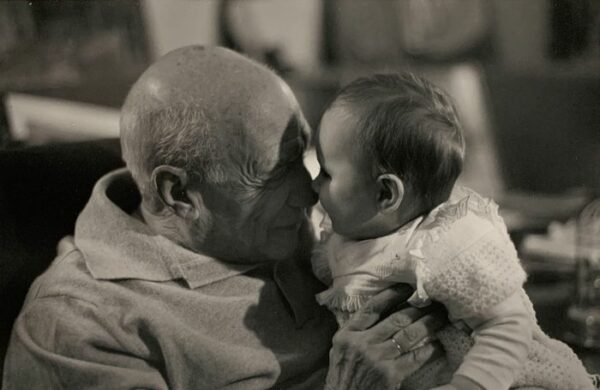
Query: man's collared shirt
x=125, y=308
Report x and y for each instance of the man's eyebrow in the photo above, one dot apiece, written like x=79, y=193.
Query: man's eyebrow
x=297, y=149
x=301, y=139
x=306, y=132
x=305, y=137
x=299, y=124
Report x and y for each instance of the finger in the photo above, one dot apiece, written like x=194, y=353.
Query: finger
x=351, y=375
x=333, y=378
x=372, y=311
x=398, y=369
x=391, y=349
x=385, y=329
x=342, y=370
x=411, y=336
x=411, y=361
x=401, y=342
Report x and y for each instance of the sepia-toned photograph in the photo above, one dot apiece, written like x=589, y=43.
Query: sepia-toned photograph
x=300, y=194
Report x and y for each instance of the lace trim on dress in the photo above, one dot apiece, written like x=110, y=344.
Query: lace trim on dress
x=420, y=298
x=338, y=300
x=444, y=215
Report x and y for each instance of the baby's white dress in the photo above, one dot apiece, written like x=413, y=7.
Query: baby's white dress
x=460, y=254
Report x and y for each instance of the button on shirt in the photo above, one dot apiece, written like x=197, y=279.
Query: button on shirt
x=125, y=308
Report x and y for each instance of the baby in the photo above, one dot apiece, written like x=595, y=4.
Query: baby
x=390, y=149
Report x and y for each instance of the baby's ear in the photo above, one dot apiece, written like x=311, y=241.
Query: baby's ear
x=390, y=193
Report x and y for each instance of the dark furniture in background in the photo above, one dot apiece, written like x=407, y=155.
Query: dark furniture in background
x=84, y=51
x=547, y=128
x=42, y=191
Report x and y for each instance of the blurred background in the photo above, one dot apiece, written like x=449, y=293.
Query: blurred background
x=525, y=75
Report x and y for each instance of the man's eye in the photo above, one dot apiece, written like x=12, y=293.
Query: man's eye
x=324, y=173
x=277, y=176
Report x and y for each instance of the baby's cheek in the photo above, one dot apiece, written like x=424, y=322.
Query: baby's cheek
x=344, y=193
x=337, y=193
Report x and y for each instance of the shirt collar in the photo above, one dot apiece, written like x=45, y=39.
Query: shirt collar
x=116, y=245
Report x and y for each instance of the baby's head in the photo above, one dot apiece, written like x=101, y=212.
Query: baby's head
x=390, y=148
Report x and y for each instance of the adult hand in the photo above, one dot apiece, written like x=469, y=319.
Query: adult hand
x=372, y=354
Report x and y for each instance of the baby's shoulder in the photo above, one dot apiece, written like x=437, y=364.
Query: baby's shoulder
x=466, y=209
x=457, y=224
x=466, y=253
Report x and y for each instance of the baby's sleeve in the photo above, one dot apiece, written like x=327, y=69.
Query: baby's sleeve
x=501, y=343
x=475, y=272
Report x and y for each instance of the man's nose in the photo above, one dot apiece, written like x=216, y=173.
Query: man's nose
x=301, y=193
x=316, y=184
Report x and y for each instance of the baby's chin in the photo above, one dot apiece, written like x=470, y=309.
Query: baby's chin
x=360, y=234
x=348, y=235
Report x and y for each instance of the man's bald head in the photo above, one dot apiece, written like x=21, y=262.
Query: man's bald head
x=215, y=142
x=200, y=109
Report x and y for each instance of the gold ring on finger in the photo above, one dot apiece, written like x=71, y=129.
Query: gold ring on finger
x=398, y=346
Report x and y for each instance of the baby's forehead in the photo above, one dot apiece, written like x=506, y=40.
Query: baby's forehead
x=341, y=127
x=344, y=111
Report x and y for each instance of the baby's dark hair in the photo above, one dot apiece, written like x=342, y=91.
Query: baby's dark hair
x=411, y=129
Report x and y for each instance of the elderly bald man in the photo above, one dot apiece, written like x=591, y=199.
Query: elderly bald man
x=189, y=268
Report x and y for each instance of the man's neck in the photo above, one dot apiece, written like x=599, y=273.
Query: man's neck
x=168, y=225
x=164, y=224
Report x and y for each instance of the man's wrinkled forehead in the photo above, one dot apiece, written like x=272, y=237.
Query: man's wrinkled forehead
x=283, y=145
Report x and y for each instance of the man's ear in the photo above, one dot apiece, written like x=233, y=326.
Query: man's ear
x=390, y=192
x=172, y=185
